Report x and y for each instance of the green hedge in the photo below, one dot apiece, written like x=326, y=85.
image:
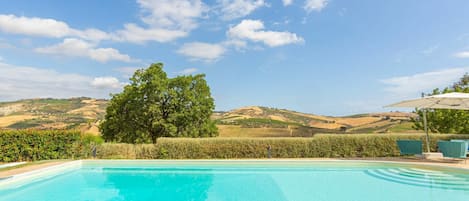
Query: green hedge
x=331, y=146
x=32, y=145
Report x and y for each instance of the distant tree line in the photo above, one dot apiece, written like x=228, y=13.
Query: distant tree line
x=446, y=120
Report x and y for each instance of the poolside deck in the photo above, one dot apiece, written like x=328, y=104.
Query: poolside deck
x=446, y=162
x=28, y=167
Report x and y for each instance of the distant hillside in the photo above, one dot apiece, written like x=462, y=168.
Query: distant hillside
x=86, y=114
x=76, y=113
x=264, y=117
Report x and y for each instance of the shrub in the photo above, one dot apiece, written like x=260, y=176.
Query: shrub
x=332, y=146
x=117, y=151
x=32, y=145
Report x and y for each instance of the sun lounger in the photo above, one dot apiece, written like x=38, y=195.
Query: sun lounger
x=467, y=142
x=453, y=149
x=410, y=147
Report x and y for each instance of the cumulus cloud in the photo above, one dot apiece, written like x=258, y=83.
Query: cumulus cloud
x=165, y=20
x=236, y=43
x=136, y=34
x=414, y=85
x=315, y=5
x=106, y=83
x=80, y=48
x=464, y=54
x=175, y=14
x=20, y=82
x=33, y=26
x=233, y=9
x=253, y=30
x=46, y=27
x=287, y=2
x=202, y=51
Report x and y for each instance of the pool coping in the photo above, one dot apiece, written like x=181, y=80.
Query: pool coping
x=7, y=165
x=14, y=180
x=437, y=164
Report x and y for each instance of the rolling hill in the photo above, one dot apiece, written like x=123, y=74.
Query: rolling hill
x=75, y=113
x=86, y=113
x=281, y=122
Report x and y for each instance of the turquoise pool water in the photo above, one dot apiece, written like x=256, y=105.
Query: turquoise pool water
x=246, y=181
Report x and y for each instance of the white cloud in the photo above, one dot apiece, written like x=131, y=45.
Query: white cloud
x=136, y=34
x=80, y=48
x=287, y=2
x=165, y=20
x=414, y=85
x=46, y=27
x=236, y=43
x=233, y=9
x=33, y=26
x=172, y=14
x=92, y=34
x=464, y=54
x=202, y=51
x=106, y=83
x=254, y=30
x=19, y=82
x=315, y=5
x=187, y=71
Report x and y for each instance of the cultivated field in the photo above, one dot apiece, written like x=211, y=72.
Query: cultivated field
x=77, y=113
x=85, y=114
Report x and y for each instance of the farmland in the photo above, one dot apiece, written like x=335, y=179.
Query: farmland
x=85, y=114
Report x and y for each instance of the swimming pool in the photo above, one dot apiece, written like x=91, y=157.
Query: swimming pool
x=238, y=180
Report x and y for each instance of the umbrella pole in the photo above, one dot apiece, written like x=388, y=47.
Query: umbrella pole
x=427, y=137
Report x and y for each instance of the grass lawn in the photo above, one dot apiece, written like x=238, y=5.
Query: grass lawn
x=403, y=127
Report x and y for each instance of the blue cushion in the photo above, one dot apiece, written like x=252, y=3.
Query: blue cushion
x=453, y=149
x=410, y=147
x=467, y=142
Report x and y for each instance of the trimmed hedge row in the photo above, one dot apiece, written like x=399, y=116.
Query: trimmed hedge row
x=32, y=145
x=331, y=146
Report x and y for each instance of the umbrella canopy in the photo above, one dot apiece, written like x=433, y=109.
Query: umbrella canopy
x=455, y=100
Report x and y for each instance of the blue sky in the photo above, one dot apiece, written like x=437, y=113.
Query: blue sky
x=330, y=57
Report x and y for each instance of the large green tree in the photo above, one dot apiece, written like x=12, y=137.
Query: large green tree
x=154, y=106
x=445, y=120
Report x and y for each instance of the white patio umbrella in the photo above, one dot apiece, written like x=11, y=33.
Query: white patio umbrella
x=455, y=100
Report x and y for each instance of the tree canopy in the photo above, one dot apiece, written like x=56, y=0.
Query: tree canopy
x=154, y=106
x=445, y=120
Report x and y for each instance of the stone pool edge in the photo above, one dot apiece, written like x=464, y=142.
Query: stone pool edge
x=38, y=174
